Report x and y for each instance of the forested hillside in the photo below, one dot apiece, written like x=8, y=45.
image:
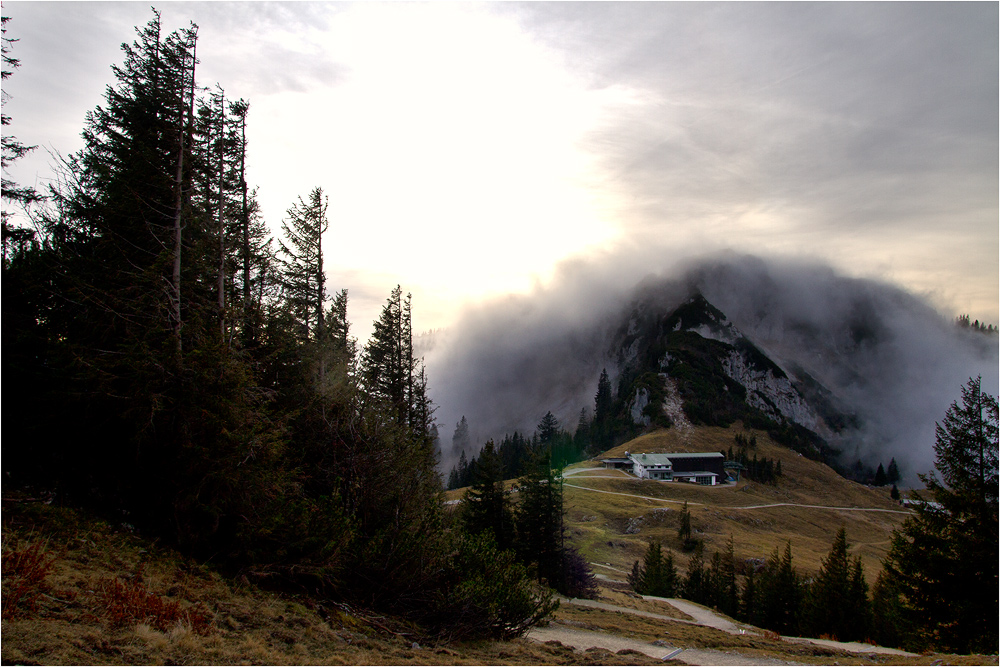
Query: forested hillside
x=176, y=369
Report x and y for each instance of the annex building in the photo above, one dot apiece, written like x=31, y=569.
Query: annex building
x=696, y=467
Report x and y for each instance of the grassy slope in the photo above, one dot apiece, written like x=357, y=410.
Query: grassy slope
x=245, y=625
x=598, y=521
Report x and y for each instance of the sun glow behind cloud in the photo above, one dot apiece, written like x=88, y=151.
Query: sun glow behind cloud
x=450, y=150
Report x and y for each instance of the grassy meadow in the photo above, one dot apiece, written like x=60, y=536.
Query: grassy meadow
x=612, y=529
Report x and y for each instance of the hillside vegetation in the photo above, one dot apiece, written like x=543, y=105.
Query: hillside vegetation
x=614, y=530
x=97, y=593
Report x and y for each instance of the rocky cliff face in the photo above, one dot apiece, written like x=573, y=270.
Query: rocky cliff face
x=703, y=369
x=774, y=396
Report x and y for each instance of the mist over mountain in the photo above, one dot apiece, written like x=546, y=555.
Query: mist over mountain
x=887, y=361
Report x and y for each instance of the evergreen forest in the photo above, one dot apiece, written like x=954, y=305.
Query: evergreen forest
x=182, y=372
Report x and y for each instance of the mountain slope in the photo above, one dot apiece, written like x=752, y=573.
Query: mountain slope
x=612, y=516
x=875, y=365
x=702, y=360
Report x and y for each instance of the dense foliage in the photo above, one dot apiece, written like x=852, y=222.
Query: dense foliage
x=940, y=582
x=183, y=372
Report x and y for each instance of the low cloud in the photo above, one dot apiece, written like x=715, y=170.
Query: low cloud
x=887, y=355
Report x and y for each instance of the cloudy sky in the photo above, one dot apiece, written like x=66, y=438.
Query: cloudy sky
x=470, y=149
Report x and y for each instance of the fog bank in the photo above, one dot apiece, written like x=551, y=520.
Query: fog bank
x=887, y=355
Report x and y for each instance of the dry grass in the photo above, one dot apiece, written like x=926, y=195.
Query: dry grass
x=631, y=600
x=600, y=521
x=106, y=596
x=763, y=645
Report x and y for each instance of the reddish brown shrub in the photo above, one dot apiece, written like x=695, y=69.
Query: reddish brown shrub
x=24, y=570
x=130, y=603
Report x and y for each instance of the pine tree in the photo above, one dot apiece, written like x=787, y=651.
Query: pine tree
x=940, y=560
x=695, y=584
x=892, y=473
x=460, y=439
x=727, y=596
x=303, y=275
x=463, y=471
x=838, y=604
x=13, y=150
x=684, y=529
x=880, y=477
x=748, y=599
x=486, y=505
x=602, y=430
x=635, y=577
x=548, y=429
x=651, y=580
x=540, y=518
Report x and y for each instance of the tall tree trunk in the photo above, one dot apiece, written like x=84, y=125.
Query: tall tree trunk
x=222, y=220
x=245, y=224
x=187, y=107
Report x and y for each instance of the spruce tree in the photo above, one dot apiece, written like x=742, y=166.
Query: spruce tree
x=486, y=505
x=892, y=472
x=838, y=604
x=303, y=277
x=880, y=476
x=13, y=150
x=540, y=518
x=940, y=560
x=651, y=582
x=695, y=583
x=602, y=431
x=779, y=593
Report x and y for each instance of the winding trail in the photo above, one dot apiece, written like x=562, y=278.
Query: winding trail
x=700, y=615
x=582, y=640
x=738, y=507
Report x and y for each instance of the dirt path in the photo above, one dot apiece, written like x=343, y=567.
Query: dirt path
x=701, y=615
x=708, y=618
x=745, y=507
x=584, y=639
x=635, y=612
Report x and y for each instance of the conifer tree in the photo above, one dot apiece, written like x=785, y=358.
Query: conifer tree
x=460, y=439
x=838, y=603
x=892, y=472
x=727, y=595
x=880, y=477
x=486, y=505
x=13, y=150
x=303, y=277
x=695, y=584
x=548, y=429
x=603, y=405
x=540, y=518
x=684, y=529
x=779, y=593
x=940, y=559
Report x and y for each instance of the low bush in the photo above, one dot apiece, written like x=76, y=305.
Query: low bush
x=24, y=570
x=130, y=603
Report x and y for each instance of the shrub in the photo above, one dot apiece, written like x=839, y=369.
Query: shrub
x=578, y=578
x=130, y=603
x=24, y=570
x=491, y=593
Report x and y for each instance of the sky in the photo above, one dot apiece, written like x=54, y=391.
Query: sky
x=475, y=150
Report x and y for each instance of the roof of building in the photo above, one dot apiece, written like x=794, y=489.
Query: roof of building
x=652, y=459
x=697, y=455
x=668, y=459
